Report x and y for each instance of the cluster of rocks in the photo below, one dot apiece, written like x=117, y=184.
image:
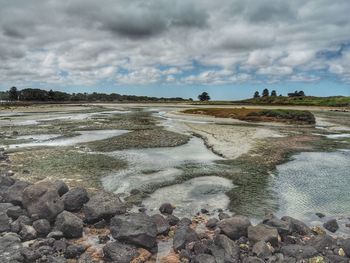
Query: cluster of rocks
x=48, y=222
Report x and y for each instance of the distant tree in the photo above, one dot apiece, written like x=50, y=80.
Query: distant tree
x=273, y=93
x=204, y=96
x=301, y=93
x=13, y=94
x=265, y=93
x=51, y=94
x=256, y=94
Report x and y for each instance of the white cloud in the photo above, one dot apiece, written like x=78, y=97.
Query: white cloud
x=193, y=41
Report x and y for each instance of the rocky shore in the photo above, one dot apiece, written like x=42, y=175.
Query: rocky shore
x=48, y=222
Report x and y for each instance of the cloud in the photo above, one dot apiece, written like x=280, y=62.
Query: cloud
x=86, y=42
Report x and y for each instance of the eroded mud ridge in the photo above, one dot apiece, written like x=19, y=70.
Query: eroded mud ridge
x=48, y=222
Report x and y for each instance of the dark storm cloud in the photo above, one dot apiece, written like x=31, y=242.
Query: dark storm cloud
x=139, y=19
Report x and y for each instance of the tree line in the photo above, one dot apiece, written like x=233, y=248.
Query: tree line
x=13, y=94
x=266, y=93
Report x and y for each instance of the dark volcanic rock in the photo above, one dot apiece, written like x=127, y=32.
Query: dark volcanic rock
x=263, y=232
x=211, y=223
x=10, y=247
x=223, y=215
x=283, y=227
x=184, y=221
x=162, y=224
x=27, y=232
x=4, y=221
x=322, y=243
x=15, y=211
x=183, y=236
x=137, y=229
x=235, y=227
x=172, y=220
x=42, y=200
x=70, y=225
x=75, y=198
x=118, y=252
x=261, y=249
x=224, y=250
x=42, y=227
x=59, y=185
x=55, y=234
x=204, y=258
x=297, y=226
x=346, y=246
x=166, y=208
x=331, y=225
x=30, y=255
x=14, y=193
x=16, y=225
x=298, y=251
x=6, y=181
x=74, y=251
x=103, y=206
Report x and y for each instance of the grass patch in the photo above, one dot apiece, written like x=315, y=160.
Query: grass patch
x=265, y=115
x=74, y=167
x=139, y=139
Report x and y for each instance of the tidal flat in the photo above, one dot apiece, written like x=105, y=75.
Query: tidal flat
x=146, y=152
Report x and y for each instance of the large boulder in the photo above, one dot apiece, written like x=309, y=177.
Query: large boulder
x=75, y=198
x=103, y=206
x=42, y=200
x=13, y=194
x=69, y=224
x=263, y=232
x=297, y=226
x=162, y=224
x=235, y=227
x=224, y=250
x=118, y=252
x=10, y=246
x=184, y=235
x=136, y=229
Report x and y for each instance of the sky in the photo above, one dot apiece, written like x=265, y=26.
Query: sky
x=229, y=48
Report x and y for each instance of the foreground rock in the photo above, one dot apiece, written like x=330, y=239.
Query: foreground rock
x=42, y=200
x=235, y=227
x=74, y=199
x=137, y=229
x=46, y=224
x=103, y=206
x=10, y=245
x=69, y=224
x=118, y=252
